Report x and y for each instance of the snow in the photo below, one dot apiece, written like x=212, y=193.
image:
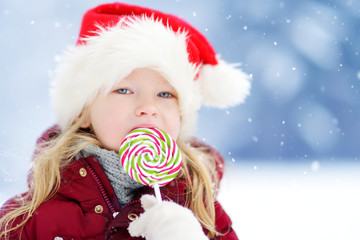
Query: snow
x=303, y=57
x=282, y=201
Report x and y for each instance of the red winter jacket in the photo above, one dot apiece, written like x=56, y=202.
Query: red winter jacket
x=85, y=205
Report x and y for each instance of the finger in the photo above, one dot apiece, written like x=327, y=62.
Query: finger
x=148, y=201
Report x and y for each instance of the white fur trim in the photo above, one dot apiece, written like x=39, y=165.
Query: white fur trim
x=142, y=42
x=112, y=55
x=223, y=85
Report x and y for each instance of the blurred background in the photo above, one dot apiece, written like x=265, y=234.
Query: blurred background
x=292, y=150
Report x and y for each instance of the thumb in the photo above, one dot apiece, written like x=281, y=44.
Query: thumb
x=148, y=201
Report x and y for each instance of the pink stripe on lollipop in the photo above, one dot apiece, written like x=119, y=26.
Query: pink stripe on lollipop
x=175, y=169
x=173, y=149
x=139, y=150
x=124, y=156
x=153, y=138
x=154, y=178
x=160, y=134
x=143, y=181
x=139, y=169
x=132, y=150
x=148, y=166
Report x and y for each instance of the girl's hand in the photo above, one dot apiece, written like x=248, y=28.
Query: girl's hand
x=166, y=221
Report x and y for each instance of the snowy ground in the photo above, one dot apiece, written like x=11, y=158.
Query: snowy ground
x=281, y=201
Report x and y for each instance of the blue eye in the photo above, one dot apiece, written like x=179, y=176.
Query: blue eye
x=123, y=91
x=165, y=95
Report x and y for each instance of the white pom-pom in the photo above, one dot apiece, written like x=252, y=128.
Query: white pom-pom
x=223, y=85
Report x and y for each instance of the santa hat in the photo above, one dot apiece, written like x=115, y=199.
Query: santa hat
x=117, y=38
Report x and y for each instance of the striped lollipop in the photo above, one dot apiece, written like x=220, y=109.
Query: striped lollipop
x=151, y=157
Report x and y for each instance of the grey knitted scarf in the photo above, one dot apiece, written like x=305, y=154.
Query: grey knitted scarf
x=124, y=186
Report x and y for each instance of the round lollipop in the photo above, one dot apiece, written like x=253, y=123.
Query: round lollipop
x=151, y=157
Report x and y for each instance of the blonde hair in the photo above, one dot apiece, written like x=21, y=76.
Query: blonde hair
x=198, y=168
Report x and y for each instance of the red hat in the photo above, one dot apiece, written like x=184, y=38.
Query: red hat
x=117, y=38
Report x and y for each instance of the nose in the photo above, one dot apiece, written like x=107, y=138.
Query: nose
x=146, y=108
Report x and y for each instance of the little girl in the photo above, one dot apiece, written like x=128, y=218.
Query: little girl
x=131, y=67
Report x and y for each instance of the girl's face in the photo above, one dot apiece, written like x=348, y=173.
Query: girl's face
x=143, y=99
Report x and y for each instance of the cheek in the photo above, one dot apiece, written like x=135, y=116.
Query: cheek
x=173, y=121
x=175, y=129
x=107, y=124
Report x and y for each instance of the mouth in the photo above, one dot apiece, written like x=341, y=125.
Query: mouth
x=144, y=125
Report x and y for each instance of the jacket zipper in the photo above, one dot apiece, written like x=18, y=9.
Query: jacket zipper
x=103, y=193
x=102, y=190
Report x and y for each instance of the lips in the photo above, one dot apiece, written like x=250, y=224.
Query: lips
x=144, y=125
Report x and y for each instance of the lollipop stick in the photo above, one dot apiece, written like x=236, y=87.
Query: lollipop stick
x=157, y=192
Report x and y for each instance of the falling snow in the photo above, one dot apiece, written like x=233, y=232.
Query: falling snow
x=303, y=59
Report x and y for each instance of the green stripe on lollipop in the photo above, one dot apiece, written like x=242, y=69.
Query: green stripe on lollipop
x=147, y=141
